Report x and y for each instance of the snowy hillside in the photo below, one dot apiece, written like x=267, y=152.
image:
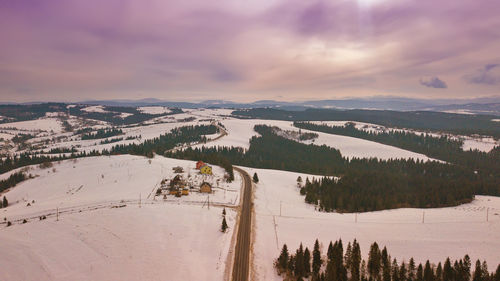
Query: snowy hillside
x=446, y=232
x=103, y=233
x=241, y=130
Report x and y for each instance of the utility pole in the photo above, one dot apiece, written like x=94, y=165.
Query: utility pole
x=487, y=213
x=423, y=217
x=57, y=216
x=139, y=200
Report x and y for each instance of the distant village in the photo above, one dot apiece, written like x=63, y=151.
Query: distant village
x=181, y=184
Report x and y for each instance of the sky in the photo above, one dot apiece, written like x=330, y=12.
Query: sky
x=193, y=50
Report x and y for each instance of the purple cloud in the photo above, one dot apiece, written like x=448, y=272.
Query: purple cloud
x=489, y=75
x=433, y=82
x=120, y=48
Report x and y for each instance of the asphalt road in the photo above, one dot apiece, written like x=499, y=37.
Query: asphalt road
x=241, y=263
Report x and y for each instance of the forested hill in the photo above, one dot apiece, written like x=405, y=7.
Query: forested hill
x=419, y=120
x=364, y=184
x=444, y=148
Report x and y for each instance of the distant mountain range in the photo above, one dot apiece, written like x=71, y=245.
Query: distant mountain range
x=485, y=105
x=488, y=105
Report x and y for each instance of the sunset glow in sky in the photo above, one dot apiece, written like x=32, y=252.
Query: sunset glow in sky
x=72, y=50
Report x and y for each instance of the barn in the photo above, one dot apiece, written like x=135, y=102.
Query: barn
x=205, y=187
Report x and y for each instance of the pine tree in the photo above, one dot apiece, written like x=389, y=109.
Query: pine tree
x=484, y=268
x=283, y=258
x=402, y=272
x=329, y=254
x=428, y=272
x=255, y=178
x=355, y=261
x=439, y=272
x=307, y=262
x=299, y=262
x=374, y=262
x=447, y=270
x=466, y=267
x=411, y=270
x=299, y=181
x=386, y=265
x=348, y=256
x=395, y=270
x=420, y=273
x=478, y=272
x=5, y=203
x=497, y=274
x=224, y=225
x=224, y=211
x=316, y=263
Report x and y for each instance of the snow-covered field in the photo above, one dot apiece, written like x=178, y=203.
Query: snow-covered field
x=103, y=234
x=96, y=239
x=43, y=124
x=446, y=232
x=154, y=109
x=95, y=108
x=241, y=130
x=480, y=143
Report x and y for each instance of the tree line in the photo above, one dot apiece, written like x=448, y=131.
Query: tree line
x=443, y=148
x=166, y=142
x=176, y=137
x=102, y=133
x=360, y=184
x=460, y=124
x=350, y=266
x=12, y=180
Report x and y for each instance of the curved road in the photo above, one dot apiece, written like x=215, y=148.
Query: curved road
x=241, y=263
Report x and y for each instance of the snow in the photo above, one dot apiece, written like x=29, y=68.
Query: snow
x=155, y=242
x=177, y=238
x=495, y=120
x=94, y=108
x=459, y=111
x=482, y=143
x=447, y=232
x=124, y=115
x=44, y=124
x=154, y=109
x=241, y=130
x=6, y=136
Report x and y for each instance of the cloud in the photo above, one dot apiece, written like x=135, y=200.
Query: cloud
x=293, y=48
x=488, y=74
x=433, y=82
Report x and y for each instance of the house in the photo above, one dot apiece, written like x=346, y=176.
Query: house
x=206, y=170
x=205, y=187
x=177, y=181
x=185, y=191
x=178, y=169
x=199, y=164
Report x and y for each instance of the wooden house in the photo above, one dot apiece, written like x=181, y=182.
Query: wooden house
x=185, y=191
x=205, y=187
x=206, y=170
x=199, y=164
x=178, y=169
